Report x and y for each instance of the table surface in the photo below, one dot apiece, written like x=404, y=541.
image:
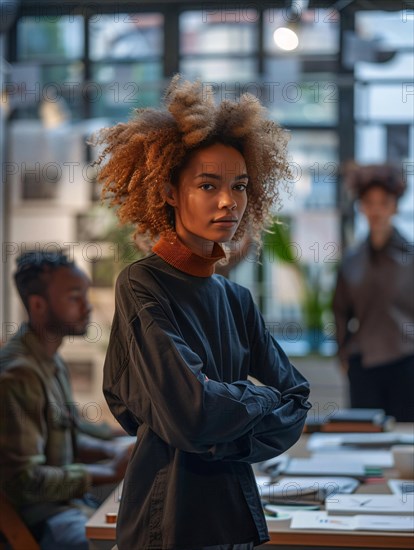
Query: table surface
x=98, y=529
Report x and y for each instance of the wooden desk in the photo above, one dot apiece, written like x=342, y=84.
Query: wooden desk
x=102, y=535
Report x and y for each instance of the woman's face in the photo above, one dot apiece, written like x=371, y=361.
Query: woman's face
x=210, y=197
x=379, y=207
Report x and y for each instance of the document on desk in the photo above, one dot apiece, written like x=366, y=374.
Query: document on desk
x=370, y=504
x=323, y=521
x=384, y=523
x=316, y=488
x=322, y=441
x=379, y=458
x=325, y=467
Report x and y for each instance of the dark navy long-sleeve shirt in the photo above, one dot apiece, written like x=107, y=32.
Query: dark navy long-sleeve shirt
x=180, y=352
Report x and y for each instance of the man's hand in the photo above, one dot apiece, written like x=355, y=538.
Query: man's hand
x=113, y=470
x=92, y=449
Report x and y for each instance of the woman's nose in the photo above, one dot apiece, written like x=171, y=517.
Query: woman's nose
x=227, y=201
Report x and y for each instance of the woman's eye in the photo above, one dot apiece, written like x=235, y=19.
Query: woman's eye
x=207, y=186
x=241, y=187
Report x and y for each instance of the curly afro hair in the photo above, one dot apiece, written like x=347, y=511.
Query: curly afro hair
x=140, y=157
x=360, y=178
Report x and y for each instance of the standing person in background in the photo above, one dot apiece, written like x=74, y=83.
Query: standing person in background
x=374, y=300
x=184, y=340
x=48, y=459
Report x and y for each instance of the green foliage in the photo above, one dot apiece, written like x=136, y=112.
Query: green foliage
x=278, y=244
x=316, y=303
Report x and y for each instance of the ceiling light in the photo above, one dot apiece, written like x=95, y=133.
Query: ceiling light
x=285, y=39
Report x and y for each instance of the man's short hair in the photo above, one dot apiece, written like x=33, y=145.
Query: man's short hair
x=33, y=268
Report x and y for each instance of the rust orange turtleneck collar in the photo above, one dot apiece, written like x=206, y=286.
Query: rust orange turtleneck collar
x=175, y=253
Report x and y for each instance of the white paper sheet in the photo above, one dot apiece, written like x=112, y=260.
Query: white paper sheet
x=378, y=459
x=384, y=523
x=325, y=467
x=323, y=521
x=370, y=504
x=320, y=441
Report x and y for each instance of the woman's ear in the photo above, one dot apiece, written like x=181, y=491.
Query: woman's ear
x=170, y=192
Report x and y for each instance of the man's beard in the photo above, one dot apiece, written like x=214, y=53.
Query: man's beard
x=54, y=325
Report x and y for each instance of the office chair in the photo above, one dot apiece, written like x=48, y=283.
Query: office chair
x=14, y=533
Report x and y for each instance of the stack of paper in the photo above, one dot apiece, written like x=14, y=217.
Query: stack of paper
x=350, y=420
x=379, y=458
x=300, y=490
x=325, y=467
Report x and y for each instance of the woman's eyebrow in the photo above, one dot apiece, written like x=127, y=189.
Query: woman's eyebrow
x=209, y=175
x=218, y=176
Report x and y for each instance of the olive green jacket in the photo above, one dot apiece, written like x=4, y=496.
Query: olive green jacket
x=38, y=430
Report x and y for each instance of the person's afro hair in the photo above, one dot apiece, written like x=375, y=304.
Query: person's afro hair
x=141, y=157
x=360, y=178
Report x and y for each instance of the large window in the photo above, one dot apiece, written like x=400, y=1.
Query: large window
x=238, y=51
x=50, y=65
x=114, y=68
x=77, y=72
x=219, y=48
x=300, y=85
x=126, y=62
x=384, y=103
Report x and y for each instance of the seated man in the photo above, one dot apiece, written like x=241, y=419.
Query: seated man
x=47, y=465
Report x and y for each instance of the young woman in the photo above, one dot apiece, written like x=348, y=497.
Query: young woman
x=184, y=340
x=374, y=299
